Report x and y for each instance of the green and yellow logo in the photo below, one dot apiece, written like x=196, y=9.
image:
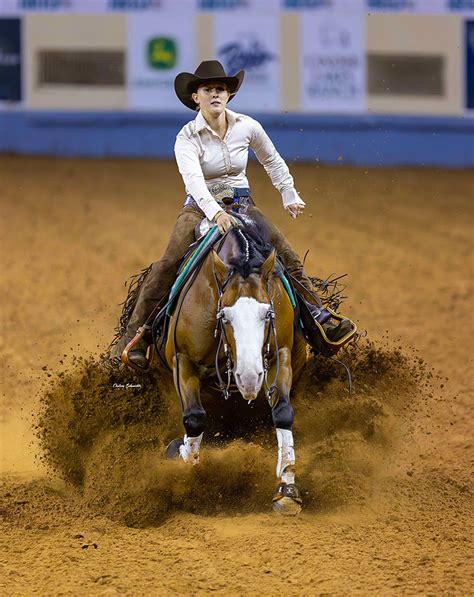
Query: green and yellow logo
x=162, y=53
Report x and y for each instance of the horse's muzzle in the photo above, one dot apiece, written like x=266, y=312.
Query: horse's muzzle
x=249, y=385
x=249, y=397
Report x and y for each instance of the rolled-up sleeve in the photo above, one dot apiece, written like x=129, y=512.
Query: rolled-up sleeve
x=187, y=158
x=274, y=165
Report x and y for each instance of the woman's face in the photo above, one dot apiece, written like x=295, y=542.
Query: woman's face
x=212, y=98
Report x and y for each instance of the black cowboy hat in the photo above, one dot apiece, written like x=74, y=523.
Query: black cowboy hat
x=186, y=84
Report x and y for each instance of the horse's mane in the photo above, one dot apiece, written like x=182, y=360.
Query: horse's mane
x=252, y=245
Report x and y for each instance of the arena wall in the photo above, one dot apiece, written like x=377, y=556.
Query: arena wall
x=354, y=82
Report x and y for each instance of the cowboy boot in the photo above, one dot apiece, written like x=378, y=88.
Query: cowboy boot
x=137, y=355
x=334, y=332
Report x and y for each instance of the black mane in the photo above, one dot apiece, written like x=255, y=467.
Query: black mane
x=253, y=245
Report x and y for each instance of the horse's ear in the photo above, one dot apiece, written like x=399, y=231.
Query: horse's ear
x=219, y=267
x=268, y=266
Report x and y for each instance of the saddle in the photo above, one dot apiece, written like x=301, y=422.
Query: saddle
x=310, y=321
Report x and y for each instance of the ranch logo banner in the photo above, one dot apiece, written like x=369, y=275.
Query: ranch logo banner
x=159, y=47
x=332, y=63
x=252, y=45
x=10, y=60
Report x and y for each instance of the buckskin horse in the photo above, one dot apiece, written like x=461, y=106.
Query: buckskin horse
x=236, y=315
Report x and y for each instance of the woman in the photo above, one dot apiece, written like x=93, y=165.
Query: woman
x=213, y=148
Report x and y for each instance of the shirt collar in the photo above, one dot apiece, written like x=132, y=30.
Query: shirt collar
x=201, y=122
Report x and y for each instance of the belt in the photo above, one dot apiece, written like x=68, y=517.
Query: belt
x=242, y=192
x=241, y=197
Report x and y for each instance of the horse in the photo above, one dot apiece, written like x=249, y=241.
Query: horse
x=235, y=313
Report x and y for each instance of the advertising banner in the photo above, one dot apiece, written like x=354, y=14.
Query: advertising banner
x=333, y=73
x=267, y=6
x=415, y=6
x=79, y=6
x=95, y=6
x=160, y=45
x=469, y=37
x=169, y=6
x=10, y=60
x=253, y=45
x=341, y=5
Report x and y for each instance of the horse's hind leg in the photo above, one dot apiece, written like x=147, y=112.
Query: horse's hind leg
x=194, y=416
x=287, y=499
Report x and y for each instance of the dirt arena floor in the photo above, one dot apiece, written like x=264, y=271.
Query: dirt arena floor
x=385, y=473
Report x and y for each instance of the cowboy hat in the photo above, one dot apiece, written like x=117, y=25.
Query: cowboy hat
x=186, y=84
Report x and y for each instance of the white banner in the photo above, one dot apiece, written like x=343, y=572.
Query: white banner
x=316, y=5
x=96, y=6
x=332, y=62
x=254, y=46
x=266, y=6
x=74, y=6
x=169, y=6
x=159, y=47
x=413, y=6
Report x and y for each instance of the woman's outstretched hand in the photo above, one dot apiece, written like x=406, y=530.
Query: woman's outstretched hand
x=224, y=221
x=295, y=209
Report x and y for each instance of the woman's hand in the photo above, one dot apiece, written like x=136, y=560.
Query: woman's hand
x=295, y=209
x=224, y=221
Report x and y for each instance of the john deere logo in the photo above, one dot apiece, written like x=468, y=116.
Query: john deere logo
x=162, y=53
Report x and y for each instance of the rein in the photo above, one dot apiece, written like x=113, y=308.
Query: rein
x=270, y=317
x=224, y=387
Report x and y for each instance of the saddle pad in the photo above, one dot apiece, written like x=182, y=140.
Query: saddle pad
x=196, y=257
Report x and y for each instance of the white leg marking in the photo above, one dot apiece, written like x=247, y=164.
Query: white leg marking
x=286, y=455
x=189, y=451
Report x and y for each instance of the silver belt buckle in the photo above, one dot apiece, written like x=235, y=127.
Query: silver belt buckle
x=222, y=191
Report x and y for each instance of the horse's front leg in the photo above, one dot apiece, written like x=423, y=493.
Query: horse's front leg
x=287, y=498
x=188, y=386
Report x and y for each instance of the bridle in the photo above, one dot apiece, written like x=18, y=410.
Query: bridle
x=220, y=330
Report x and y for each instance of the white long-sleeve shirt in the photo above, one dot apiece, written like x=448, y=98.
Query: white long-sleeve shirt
x=205, y=159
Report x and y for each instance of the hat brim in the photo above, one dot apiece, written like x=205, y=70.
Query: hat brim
x=186, y=84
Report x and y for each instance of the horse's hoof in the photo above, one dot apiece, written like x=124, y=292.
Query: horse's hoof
x=287, y=499
x=172, y=449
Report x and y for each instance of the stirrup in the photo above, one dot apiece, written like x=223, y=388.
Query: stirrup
x=314, y=332
x=330, y=347
x=131, y=345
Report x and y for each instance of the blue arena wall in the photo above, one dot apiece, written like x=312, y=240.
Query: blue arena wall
x=367, y=140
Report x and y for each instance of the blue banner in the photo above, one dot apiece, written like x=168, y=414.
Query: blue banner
x=10, y=60
x=470, y=65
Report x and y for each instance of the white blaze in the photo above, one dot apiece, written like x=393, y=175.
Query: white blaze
x=247, y=317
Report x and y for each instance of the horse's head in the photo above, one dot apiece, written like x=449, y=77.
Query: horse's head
x=245, y=316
